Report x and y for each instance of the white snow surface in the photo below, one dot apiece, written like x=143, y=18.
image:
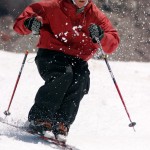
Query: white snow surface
x=101, y=123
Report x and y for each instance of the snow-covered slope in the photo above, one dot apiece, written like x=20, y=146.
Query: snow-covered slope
x=101, y=123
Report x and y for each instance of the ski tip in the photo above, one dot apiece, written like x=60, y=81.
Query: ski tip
x=132, y=124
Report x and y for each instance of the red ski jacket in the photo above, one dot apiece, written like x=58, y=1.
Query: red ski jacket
x=66, y=30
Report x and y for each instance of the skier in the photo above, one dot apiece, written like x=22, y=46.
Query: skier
x=67, y=41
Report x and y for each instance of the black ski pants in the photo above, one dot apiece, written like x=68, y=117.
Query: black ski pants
x=66, y=82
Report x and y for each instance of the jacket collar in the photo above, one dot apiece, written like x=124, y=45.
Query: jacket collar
x=70, y=9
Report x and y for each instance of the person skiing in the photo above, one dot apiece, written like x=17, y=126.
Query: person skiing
x=68, y=31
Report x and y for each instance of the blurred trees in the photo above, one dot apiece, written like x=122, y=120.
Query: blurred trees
x=10, y=40
x=13, y=7
x=132, y=19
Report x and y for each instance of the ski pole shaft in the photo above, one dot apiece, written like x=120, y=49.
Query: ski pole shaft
x=132, y=124
x=18, y=78
x=17, y=81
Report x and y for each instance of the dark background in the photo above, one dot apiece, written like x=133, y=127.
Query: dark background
x=130, y=17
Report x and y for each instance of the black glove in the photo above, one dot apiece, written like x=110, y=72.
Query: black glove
x=33, y=24
x=96, y=32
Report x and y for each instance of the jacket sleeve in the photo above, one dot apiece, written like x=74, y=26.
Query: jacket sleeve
x=111, y=39
x=31, y=11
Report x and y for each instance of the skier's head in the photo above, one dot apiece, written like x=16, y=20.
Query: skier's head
x=80, y=3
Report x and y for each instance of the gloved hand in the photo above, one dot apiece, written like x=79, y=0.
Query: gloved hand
x=33, y=24
x=96, y=33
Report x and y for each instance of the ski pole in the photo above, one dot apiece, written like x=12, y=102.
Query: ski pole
x=17, y=81
x=7, y=113
x=132, y=124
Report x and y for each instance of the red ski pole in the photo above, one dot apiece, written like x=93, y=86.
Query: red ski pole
x=18, y=78
x=132, y=124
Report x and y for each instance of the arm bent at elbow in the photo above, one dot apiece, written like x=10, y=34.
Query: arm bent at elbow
x=30, y=12
x=110, y=42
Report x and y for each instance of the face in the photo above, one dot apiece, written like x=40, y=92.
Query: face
x=80, y=3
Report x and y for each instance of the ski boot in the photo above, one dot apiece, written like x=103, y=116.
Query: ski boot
x=43, y=128
x=61, y=132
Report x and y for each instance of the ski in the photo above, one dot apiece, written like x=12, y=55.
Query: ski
x=59, y=145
